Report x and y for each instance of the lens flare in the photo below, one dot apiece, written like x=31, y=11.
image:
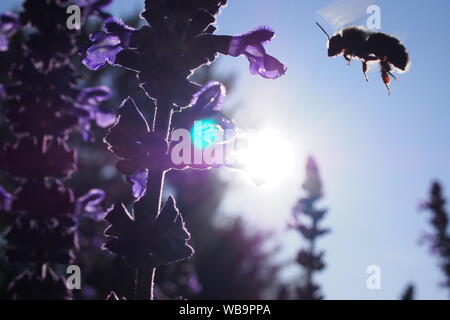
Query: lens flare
x=203, y=133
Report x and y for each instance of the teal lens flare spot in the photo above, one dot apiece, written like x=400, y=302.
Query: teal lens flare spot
x=203, y=133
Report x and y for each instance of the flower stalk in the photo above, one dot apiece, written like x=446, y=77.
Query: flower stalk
x=177, y=40
x=44, y=106
x=152, y=199
x=309, y=259
x=439, y=241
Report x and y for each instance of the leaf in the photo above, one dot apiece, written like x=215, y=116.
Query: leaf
x=148, y=242
x=123, y=138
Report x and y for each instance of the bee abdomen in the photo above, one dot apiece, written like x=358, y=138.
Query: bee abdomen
x=383, y=45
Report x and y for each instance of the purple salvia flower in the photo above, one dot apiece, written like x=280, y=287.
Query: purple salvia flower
x=140, y=150
x=88, y=108
x=209, y=97
x=306, y=220
x=155, y=50
x=89, y=100
x=194, y=284
x=440, y=238
x=207, y=103
x=107, y=44
x=104, y=50
x=177, y=40
x=251, y=45
x=313, y=183
x=9, y=24
x=138, y=181
x=43, y=108
x=104, y=118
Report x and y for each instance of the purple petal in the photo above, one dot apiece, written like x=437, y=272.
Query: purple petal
x=94, y=95
x=262, y=63
x=194, y=284
x=105, y=119
x=4, y=43
x=90, y=204
x=209, y=97
x=251, y=46
x=117, y=27
x=85, y=128
x=239, y=44
x=5, y=200
x=106, y=45
x=104, y=50
x=9, y=24
x=98, y=56
x=138, y=183
x=99, y=36
x=88, y=100
x=3, y=94
x=272, y=68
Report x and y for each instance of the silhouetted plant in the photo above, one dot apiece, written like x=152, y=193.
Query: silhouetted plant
x=306, y=220
x=192, y=279
x=177, y=40
x=242, y=269
x=440, y=239
x=409, y=293
x=44, y=105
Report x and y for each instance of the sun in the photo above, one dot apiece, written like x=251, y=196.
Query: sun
x=268, y=157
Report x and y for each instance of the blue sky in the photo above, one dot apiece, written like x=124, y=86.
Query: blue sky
x=377, y=153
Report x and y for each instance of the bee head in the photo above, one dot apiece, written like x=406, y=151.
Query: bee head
x=335, y=45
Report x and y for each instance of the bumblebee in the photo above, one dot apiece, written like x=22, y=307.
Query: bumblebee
x=369, y=46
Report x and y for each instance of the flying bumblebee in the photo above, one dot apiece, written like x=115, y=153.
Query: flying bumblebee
x=368, y=46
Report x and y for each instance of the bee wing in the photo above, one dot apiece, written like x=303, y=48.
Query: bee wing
x=341, y=13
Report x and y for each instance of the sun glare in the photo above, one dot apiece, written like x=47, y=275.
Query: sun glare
x=268, y=157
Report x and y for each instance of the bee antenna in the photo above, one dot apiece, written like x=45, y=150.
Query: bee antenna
x=326, y=33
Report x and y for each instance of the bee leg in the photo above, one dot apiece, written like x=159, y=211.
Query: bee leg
x=365, y=69
x=386, y=80
x=395, y=78
x=388, y=89
x=348, y=58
